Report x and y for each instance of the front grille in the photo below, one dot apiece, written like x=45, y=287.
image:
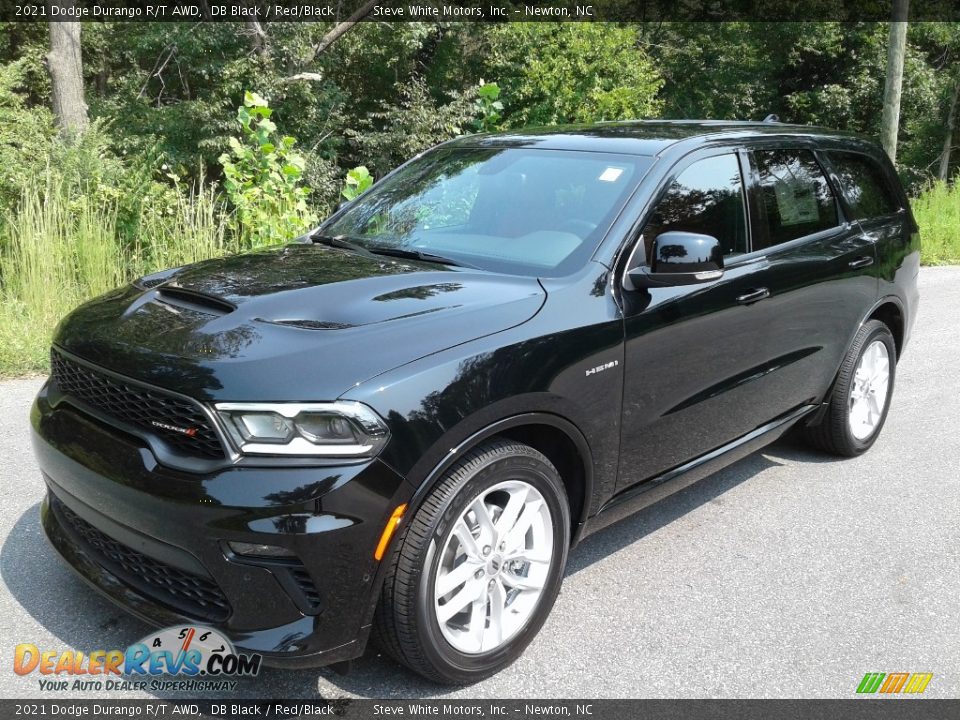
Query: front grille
x=184, y=592
x=142, y=407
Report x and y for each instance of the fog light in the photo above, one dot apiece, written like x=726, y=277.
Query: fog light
x=260, y=551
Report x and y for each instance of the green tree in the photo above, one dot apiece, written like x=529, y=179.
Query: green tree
x=572, y=72
x=402, y=128
x=65, y=63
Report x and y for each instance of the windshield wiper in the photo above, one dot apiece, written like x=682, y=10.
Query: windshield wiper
x=418, y=255
x=339, y=241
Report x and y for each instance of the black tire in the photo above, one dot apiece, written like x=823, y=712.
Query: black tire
x=405, y=623
x=832, y=433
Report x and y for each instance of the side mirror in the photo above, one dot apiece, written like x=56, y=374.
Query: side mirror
x=680, y=258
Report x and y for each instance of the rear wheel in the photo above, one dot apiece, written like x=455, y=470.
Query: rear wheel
x=478, y=567
x=861, y=396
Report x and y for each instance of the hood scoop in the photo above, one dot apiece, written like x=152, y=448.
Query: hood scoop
x=193, y=300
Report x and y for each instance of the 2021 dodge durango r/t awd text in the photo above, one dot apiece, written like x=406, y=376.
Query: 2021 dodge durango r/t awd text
x=402, y=422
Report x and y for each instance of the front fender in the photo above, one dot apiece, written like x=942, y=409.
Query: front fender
x=436, y=405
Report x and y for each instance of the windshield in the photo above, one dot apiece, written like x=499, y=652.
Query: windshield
x=513, y=210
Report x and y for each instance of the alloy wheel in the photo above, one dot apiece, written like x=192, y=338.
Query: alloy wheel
x=493, y=567
x=868, y=396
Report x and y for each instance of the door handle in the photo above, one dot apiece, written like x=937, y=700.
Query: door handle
x=860, y=262
x=753, y=296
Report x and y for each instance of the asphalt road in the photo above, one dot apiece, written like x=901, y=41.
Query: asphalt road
x=789, y=574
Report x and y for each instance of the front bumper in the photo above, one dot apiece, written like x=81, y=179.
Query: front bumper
x=153, y=539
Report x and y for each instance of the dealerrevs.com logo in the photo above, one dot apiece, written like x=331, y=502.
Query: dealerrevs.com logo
x=200, y=657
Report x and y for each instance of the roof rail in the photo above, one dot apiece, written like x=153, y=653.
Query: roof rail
x=772, y=118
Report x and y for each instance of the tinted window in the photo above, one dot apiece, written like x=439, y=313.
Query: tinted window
x=794, y=194
x=513, y=210
x=863, y=185
x=705, y=198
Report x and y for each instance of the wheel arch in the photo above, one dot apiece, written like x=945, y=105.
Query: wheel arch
x=890, y=312
x=557, y=438
x=535, y=428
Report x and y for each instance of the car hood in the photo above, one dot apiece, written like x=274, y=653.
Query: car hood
x=298, y=323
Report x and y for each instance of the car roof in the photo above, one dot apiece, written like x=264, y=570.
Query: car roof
x=646, y=137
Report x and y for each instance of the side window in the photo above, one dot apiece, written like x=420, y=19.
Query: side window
x=705, y=198
x=794, y=194
x=863, y=185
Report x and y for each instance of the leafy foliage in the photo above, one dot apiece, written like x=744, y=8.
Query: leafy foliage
x=488, y=107
x=401, y=129
x=358, y=181
x=144, y=188
x=25, y=134
x=573, y=73
x=262, y=177
x=822, y=73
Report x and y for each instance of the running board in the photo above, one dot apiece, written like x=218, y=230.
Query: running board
x=646, y=493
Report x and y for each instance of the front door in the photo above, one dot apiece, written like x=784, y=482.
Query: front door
x=694, y=354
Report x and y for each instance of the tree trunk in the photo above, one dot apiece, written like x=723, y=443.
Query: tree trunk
x=258, y=37
x=890, y=119
x=338, y=30
x=948, y=135
x=65, y=65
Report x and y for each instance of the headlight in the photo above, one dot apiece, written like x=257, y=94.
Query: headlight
x=338, y=429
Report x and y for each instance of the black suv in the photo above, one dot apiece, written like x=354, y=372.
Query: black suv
x=402, y=422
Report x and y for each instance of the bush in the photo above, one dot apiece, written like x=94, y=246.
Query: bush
x=25, y=136
x=263, y=178
x=937, y=211
x=488, y=107
x=81, y=221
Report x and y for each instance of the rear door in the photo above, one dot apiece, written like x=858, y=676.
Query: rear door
x=820, y=273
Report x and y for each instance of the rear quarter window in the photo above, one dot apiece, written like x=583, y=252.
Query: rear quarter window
x=863, y=185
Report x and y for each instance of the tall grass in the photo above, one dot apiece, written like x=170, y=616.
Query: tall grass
x=59, y=248
x=937, y=211
x=195, y=227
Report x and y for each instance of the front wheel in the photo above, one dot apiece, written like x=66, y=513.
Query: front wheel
x=861, y=396
x=478, y=567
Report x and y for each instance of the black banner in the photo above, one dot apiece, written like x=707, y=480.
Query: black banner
x=469, y=10
x=853, y=709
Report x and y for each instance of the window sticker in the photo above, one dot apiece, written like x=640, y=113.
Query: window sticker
x=611, y=174
x=796, y=203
